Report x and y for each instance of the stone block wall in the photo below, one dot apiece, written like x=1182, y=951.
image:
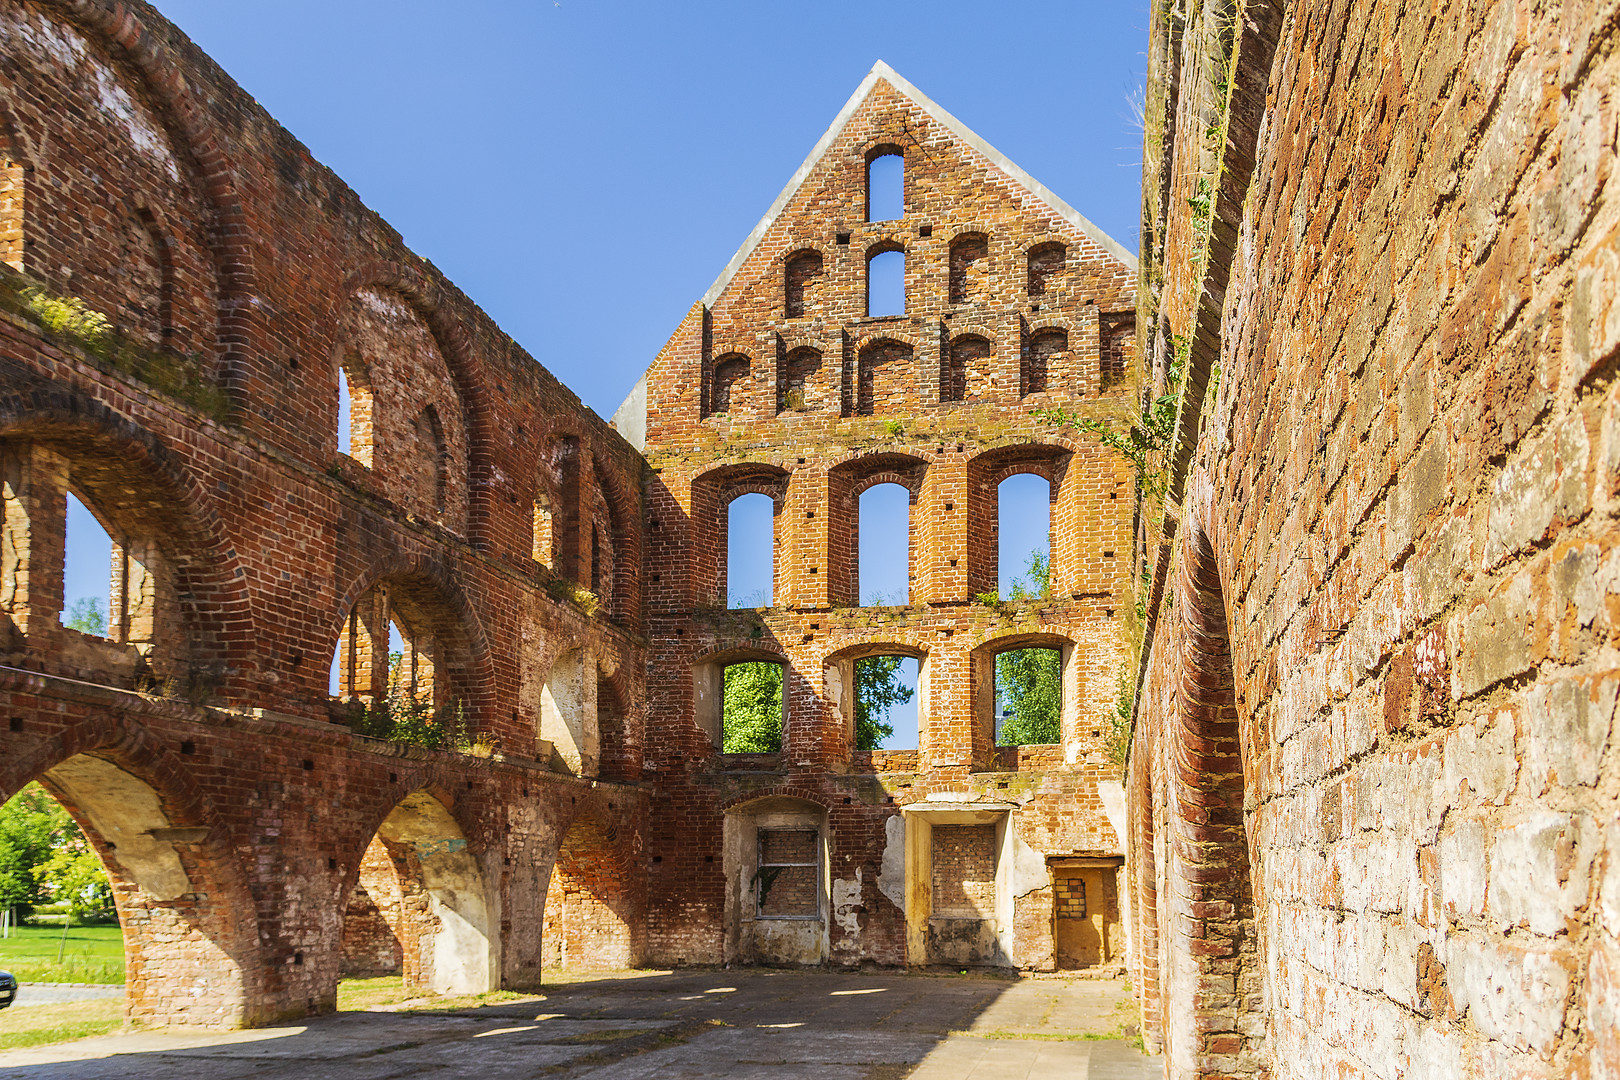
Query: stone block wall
x=1373, y=785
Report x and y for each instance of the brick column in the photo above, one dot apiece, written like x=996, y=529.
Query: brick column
x=35, y=481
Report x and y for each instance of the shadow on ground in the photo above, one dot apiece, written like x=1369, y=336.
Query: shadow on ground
x=696, y=1024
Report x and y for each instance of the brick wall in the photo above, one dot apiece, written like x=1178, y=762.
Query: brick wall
x=1373, y=779
x=964, y=870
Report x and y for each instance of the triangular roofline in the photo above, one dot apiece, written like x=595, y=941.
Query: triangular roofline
x=630, y=419
x=883, y=71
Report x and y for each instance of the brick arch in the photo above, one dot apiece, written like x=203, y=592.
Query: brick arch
x=970, y=245
x=885, y=375
x=1208, y=876
x=176, y=512
x=192, y=943
x=801, y=267
x=426, y=298
x=241, y=334
x=712, y=495
x=846, y=480
x=595, y=900
x=1053, y=462
x=729, y=385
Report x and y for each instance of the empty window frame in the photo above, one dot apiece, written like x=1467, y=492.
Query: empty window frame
x=1029, y=697
x=1043, y=347
x=11, y=213
x=730, y=382
x=750, y=551
x=356, y=430
x=884, y=546
x=886, y=283
x=886, y=185
x=969, y=256
x=752, y=713
x=800, y=273
x=1023, y=536
x=1045, y=265
x=886, y=703
x=91, y=562
x=787, y=878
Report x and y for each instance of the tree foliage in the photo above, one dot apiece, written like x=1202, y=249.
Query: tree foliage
x=86, y=616
x=44, y=856
x=752, y=719
x=877, y=690
x=1029, y=682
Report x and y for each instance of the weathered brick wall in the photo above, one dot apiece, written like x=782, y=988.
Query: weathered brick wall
x=1373, y=787
x=820, y=403
x=240, y=277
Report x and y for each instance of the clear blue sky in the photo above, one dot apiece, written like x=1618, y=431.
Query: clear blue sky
x=583, y=169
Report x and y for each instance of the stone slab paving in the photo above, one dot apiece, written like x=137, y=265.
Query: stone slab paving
x=695, y=1025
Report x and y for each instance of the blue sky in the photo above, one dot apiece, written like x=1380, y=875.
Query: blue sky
x=583, y=169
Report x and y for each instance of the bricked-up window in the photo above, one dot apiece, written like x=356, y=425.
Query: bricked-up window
x=965, y=371
x=89, y=563
x=969, y=255
x=800, y=274
x=750, y=551
x=356, y=411
x=1045, y=264
x=752, y=716
x=11, y=213
x=886, y=283
x=884, y=378
x=886, y=185
x=730, y=383
x=884, y=531
x=964, y=871
x=787, y=881
x=1044, y=346
x=797, y=389
x=1117, y=333
x=545, y=541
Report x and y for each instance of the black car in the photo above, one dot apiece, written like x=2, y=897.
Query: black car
x=8, y=989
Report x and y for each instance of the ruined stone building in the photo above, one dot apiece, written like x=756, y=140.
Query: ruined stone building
x=191, y=313
x=1360, y=582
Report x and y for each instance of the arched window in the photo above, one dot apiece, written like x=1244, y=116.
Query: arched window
x=1045, y=264
x=356, y=427
x=969, y=254
x=886, y=185
x=90, y=562
x=730, y=374
x=886, y=283
x=1023, y=531
x=885, y=546
x=750, y=551
x=1043, y=346
x=797, y=390
x=1029, y=697
x=800, y=273
x=753, y=713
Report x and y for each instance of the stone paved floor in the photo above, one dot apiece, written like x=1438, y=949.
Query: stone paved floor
x=686, y=1026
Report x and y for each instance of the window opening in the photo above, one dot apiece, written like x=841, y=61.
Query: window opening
x=797, y=386
x=750, y=551
x=751, y=721
x=11, y=213
x=345, y=414
x=800, y=275
x=966, y=358
x=1024, y=536
x=884, y=546
x=886, y=187
x=886, y=284
x=356, y=431
x=88, y=573
x=886, y=703
x=1029, y=697
x=1045, y=264
x=787, y=884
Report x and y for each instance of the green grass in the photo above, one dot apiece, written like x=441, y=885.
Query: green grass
x=389, y=991
x=93, y=954
x=40, y=1025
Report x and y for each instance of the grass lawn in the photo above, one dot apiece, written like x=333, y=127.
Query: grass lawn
x=388, y=993
x=94, y=954
x=39, y=1025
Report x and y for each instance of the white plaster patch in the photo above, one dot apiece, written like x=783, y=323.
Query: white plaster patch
x=1029, y=870
x=1112, y=794
x=891, y=880
x=146, y=137
x=44, y=39
x=846, y=900
x=384, y=304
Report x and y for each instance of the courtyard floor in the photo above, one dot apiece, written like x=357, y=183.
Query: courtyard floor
x=692, y=1025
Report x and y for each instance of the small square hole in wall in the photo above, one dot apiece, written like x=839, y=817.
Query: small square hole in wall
x=298, y=958
x=813, y=569
x=309, y=766
x=801, y=461
x=393, y=778
x=469, y=785
x=708, y=858
x=843, y=239
x=1113, y=494
x=949, y=507
x=846, y=800
x=188, y=747
x=16, y=723
x=1108, y=554
x=658, y=858
x=926, y=230
x=809, y=514
x=657, y=577
x=331, y=864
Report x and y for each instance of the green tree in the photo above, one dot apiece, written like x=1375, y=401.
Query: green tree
x=752, y=719
x=76, y=878
x=32, y=824
x=86, y=616
x=1029, y=682
x=877, y=690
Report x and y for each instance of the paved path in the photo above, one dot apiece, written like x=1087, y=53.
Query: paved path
x=53, y=993
x=690, y=1026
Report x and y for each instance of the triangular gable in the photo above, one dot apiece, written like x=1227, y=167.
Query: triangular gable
x=882, y=71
